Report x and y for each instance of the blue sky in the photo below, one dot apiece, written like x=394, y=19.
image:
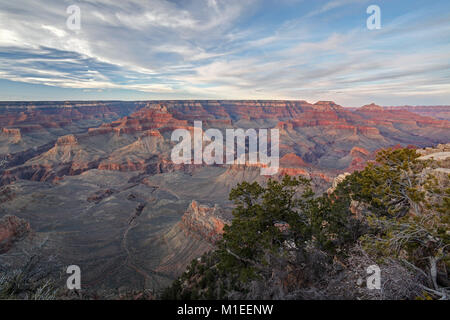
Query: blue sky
x=227, y=49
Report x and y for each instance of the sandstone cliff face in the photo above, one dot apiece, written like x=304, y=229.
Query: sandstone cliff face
x=68, y=140
x=315, y=139
x=198, y=231
x=436, y=112
x=29, y=116
x=149, y=118
x=12, y=229
x=293, y=161
x=357, y=151
x=204, y=222
x=27, y=125
x=57, y=114
x=379, y=116
x=13, y=134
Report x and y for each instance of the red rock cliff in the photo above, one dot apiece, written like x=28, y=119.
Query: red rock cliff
x=204, y=222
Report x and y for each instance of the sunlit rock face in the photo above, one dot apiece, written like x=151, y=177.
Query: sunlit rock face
x=314, y=138
x=204, y=221
x=436, y=112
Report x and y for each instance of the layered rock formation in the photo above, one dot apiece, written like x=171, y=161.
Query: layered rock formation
x=204, y=222
x=26, y=125
x=390, y=116
x=12, y=229
x=38, y=115
x=436, y=112
x=76, y=171
x=315, y=138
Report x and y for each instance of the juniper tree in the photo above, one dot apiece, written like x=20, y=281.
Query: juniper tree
x=408, y=212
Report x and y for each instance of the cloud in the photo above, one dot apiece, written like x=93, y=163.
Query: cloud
x=331, y=5
x=226, y=49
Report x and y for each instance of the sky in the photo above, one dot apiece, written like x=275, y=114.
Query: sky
x=226, y=49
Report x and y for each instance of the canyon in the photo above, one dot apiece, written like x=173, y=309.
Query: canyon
x=96, y=180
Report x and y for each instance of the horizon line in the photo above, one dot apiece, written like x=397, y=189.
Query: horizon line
x=208, y=100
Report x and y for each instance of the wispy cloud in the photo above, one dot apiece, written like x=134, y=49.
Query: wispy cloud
x=231, y=49
x=331, y=5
